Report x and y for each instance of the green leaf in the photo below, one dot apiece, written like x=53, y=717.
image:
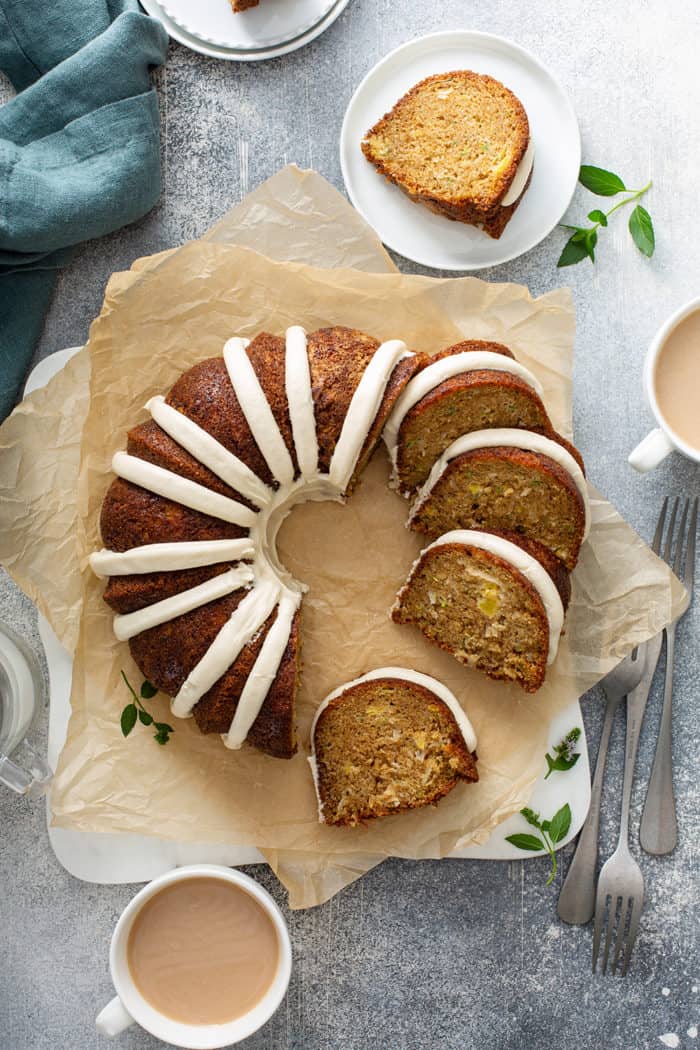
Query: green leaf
x=164, y=726
x=598, y=216
x=573, y=253
x=589, y=243
x=642, y=230
x=560, y=823
x=162, y=735
x=529, y=842
x=128, y=719
x=147, y=690
x=560, y=763
x=599, y=181
x=144, y=718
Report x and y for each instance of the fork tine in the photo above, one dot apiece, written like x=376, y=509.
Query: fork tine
x=656, y=544
x=625, y=915
x=677, y=561
x=689, y=574
x=671, y=526
x=631, y=935
x=598, y=928
x=612, y=928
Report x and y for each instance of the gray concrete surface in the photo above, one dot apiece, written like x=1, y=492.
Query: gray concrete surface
x=453, y=955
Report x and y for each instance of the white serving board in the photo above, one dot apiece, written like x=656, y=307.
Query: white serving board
x=115, y=858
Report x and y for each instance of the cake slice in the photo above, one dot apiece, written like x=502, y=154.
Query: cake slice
x=387, y=742
x=459, y=143
x=473, y=385
x=508, y=480
x=243, y=5
x=496, y=602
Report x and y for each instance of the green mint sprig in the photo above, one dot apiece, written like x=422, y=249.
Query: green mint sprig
x=551, y=832
x=565, y=757
x=582, y=242
x=135, y=711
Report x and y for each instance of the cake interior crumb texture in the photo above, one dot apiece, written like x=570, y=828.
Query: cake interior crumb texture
x=385, y=746
x=482, y=610
x=453, y=143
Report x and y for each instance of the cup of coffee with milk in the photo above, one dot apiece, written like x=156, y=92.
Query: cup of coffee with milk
x=672, y=385
x=201, y=958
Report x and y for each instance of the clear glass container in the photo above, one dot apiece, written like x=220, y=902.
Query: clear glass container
x=22, y=699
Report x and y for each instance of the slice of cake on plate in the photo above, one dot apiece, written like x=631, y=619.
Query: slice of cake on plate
x=387, y=742
x=459, y=143
x=496, y=602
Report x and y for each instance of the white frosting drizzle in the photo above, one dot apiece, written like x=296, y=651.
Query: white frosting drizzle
x=522, y=174
x=525, y=564
x=402, y=673
x=209, y=451
x=300, y=400
x=263, y=673
x=508, y=437
x=242, y=626
x=166, y=557
x=438, y=372
x=363, y=408
x=181, y=490
x=129, y=624
x=257, y=411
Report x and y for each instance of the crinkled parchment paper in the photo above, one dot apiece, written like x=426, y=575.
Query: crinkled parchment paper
x=174, y=309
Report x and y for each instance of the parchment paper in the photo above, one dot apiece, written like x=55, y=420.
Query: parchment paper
x=175, y=309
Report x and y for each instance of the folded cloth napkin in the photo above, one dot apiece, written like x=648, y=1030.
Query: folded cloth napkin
x=79, y=148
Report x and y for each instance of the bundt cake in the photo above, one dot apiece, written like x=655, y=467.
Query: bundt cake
x=243, y=5
x=495, y=601
x=389, y=741
x=473, y=385
x=189, y=524
x=458, y=143
x=508, y=479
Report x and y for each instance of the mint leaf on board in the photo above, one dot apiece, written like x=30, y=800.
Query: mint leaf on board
x=128, y=718
x=599, y=181
x=642, y=230
x=564, y=755
x=560, y=764
x=560, y=823
x=529, y=842
x=148, y=691
x=145, y=718
x=598, y=216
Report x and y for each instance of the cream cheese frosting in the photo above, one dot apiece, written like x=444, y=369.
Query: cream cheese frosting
x=402, y=673
x=438, y=372
x=507, y=437
x=522, y=174
x=525, y=564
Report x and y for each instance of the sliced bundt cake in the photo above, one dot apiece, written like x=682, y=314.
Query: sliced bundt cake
x=389, y=741
x=459, y=143
x=189, y=524
x=496, y=602
x=473, y=385
x=508, y=480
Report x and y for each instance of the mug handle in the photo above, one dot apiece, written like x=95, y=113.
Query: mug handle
x=114, y=1018
x=650, y=451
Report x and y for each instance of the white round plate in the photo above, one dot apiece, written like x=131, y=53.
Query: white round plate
x=434, y=240
x=248, y=49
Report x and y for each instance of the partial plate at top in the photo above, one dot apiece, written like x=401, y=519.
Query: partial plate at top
x=433, y=240
x=270, y=25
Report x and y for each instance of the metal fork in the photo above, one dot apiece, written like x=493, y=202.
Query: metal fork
x=620, y=895
x=658, y=832
x=577, y=897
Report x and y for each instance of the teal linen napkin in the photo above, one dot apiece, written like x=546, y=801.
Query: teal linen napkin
x=79, y=149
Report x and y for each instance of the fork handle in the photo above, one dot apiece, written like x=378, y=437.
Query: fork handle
x=577, y=897
x=658, y=832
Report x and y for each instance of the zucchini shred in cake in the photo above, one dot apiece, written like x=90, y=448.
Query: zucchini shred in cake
x=458, y=143
x=189, y=527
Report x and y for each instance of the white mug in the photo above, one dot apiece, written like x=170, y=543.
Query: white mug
x=652, y=449
x=129, y=1006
